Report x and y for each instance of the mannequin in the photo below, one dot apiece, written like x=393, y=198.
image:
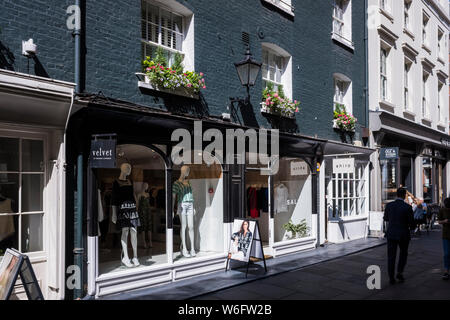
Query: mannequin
x=145, y=216
x=183, y=191
x=125, y=215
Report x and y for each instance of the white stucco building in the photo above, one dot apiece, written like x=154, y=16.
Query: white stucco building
x=409, y=108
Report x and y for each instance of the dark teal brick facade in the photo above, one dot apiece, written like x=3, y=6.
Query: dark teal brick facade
x=113, y=51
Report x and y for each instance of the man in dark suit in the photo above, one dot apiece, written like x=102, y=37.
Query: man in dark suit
x=400, y=219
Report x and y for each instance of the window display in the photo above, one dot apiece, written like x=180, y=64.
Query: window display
x=22, y=181
x=292, y=196
x=427, y=180
x=197, y=192
x=389, y=181
x=131, y=215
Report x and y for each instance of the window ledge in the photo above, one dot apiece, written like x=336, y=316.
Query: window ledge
x=441, y=60
x=409, y=33
x=427, y=121
x=348, y=43
x=348, y=219
x=409, y=113
x=387, y=14
x=442, y=125
x=386, y=105
x=145, y=84
x=426, y=48
x=285, y=7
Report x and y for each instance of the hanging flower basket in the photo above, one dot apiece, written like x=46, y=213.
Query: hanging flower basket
x=344, y=121
x=275, y=103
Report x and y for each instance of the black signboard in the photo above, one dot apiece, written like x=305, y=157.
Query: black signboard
x=389, y=153
x=13, y=265
x=103, y=151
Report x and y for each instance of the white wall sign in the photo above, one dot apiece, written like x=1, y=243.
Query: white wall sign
x=343, y=165
x=299, y=168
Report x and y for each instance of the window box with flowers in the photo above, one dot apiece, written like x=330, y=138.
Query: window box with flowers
x=158, y=76
x=275, y=102
x=344, y=121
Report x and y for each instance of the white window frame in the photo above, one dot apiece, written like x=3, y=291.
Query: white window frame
x=384, y=74
x=425, y=25
x=186, y=34
x=284, y=5
x=386, y=6
x=353, y=204
x=441, y=43
x=425, y=96
x=343, y=91
x=20, y=213
x=342, y=22
x=285, y=71
x=407, y=85
x=441, y=85
x=407, y=17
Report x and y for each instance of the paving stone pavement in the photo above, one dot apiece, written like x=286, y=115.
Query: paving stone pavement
x=345, y=278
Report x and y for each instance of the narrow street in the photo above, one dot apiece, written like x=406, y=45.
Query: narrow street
x=345, y=278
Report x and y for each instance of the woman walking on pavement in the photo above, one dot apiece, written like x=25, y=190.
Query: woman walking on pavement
x=444, y=220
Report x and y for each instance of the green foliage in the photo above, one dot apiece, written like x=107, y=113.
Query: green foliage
x=276, y=102
x=301, y=230
x=172, y=78
x=344, y=121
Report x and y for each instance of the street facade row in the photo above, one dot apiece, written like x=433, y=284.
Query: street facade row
x=357, y=91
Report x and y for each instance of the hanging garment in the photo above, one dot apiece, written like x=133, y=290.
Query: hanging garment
x=281, y=195
x=183, y=192
x=123, y=198
x=263, y=200
x=145, y=214
x=7, y=222
x=252, y=203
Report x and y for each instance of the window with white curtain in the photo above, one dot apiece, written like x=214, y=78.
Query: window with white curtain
x=425, y=105
x=384, y=81
x=406, y=81
x=343, y=94
x=342, y=21
x=161, y=28
x=425, y=40
x=273, y=68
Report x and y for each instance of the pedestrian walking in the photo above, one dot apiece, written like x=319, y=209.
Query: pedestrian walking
x=400, y=219
x=444, y=220
x=419, y=209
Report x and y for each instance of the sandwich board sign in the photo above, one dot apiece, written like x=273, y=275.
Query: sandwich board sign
x=13, y=265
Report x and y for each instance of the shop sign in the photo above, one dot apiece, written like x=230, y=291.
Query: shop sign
x=445, y=142
x=343, y=166
x=389, y=153
x=299, y=168
x=103, y=153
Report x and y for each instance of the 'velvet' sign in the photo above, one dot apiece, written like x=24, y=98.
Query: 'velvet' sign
x=103, y=153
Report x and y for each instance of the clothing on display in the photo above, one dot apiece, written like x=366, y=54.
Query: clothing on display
x=263, y=199
x=186, y=209
x=123, y=198
x=183, y=191
x=145, y=214
x=7, y=222
x=281, y=195
x=252, y=203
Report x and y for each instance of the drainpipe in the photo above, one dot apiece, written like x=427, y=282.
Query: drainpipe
x=366, y=56
x=78, y=251
x=77, y=35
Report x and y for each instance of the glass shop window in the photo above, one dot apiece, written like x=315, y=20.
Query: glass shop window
x=22, y=180
x=197, y=193
x=292, y=200
x=132, y=210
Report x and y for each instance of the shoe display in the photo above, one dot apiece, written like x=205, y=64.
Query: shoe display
x=136, y=262
x=127, y=263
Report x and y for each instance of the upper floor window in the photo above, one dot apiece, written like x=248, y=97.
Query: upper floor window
x=277, y=69
x=384, y=74
x=426, y=18
x=442, y=44
x=406, y=81
x=165, y=27
x=407, y=15
x=342, y=21
x=440, y=104
x=425, y=102
x=284, y=5
x=385, y=5
x=343, y=92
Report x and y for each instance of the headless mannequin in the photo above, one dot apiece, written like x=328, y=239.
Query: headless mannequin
x=187, y=221
x=125, y=171
x=147, y=233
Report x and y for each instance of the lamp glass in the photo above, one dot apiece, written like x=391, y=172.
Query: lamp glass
x=243, y=73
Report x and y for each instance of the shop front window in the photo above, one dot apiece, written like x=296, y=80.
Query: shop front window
x=292, y=200
x=389, y=180
x=427, y=180
x=132, y=210
x=22, y=181
x=198, y=229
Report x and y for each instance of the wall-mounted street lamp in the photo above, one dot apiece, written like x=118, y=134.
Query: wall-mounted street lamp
x=248, y=71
